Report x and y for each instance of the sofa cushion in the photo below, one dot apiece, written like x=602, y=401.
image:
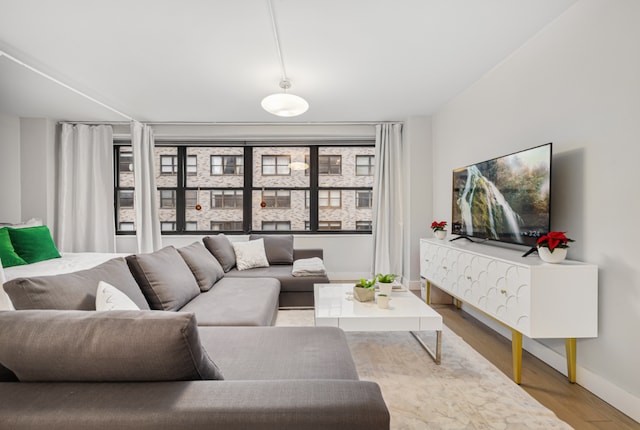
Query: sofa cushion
x=164, y=278
x=250, y=254
x=221, y=248
x=76, y=290
x=109, y=298
x=112, y=346
x=203, y=265
x=33, y=244
x=293, y=352
x=8, y=255
x=279, y=248
x=288, y=282
x=237, y=302
x=7, y=375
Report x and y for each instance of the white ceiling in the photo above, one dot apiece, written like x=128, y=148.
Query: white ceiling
x=214, y=60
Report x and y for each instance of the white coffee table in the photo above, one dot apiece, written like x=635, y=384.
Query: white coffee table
x=336, y=307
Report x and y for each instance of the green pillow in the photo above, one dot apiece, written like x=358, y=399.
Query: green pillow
x=7, y=253
x=33, y=244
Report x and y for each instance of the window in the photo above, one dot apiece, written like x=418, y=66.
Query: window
x=364, y=165
x=226, y=199
x=329, y=198
x=276, y=225
x=167, y=226
x=168, y=164
x=192, y=165
x=364, y=199
x=227, y=165
x=329, y=225
x=277, y=198
x=364, y=225
x=330, y=164
x=273, y=165
x=125, y=198
x=229, y=183
x=126, y=226
x=167, y=199
x=226, y=225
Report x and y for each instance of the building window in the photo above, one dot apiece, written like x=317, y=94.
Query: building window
x=167, y=226
x=125, y=198
x=226, y=199
x=364, y=199
x=126, y=162
x=226, y=225
x=364, y=165
x=168, y=164
x=363, y=225
x=276, y=225
x=276, y=165
x=330, y=164
x=277, y=198
x=167, y=199
x=329, y=225
x=307, y=225
x=329, y=199
x=126, y=226
x=192, y=165
x=227, y=165
x=191, y=198
x=191, y=226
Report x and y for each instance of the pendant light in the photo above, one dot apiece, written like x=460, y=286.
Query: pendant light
x=283, y=104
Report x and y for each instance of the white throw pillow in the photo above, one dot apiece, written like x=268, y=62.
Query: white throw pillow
x=250, y=254
x=109, y=298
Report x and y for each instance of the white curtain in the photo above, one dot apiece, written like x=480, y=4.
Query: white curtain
x=387, y=200
x=85, y=216
x=147, y=221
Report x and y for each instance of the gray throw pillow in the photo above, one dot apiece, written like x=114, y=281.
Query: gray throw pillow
x=109, y=346
x=74, y=291
x=221, y=248
x=203, y=265
x=279, y=248
x=164, y=278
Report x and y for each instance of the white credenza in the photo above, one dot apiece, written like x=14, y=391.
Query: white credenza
x=532, y=298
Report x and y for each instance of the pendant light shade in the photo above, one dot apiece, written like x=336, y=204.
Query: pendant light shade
x=285, y=104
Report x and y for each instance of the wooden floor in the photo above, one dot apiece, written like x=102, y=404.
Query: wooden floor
x=570, y=402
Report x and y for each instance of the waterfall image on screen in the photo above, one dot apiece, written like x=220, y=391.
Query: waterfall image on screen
x=505, y=199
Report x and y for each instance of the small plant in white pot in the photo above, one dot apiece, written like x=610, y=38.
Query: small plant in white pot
x=386, y=282
x=439, y=229
x=364, y=290
x=552, y=247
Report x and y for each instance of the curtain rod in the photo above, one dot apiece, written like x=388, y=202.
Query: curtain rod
x=233, y=123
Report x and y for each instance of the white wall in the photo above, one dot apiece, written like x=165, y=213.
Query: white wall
x=10, y=195
x=577, y=84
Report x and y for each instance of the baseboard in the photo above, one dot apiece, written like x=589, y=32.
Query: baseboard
x=620, y=399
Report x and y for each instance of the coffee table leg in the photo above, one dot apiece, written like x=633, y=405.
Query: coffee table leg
x=437, y=356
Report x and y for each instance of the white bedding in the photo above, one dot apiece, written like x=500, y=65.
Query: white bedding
x=70, y=262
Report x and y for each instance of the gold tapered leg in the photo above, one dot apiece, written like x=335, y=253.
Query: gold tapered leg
x=428, y=292
x=458, y=303
x=570, y=344
x=516, y=352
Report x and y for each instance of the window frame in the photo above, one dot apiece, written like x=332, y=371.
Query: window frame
x=370, y=166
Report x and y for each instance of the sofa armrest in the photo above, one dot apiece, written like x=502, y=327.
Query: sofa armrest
x=307, y=253
x=260, y=405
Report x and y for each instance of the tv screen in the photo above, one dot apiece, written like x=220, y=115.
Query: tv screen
x=505, y=199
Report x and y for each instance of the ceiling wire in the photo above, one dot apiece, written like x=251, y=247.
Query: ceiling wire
x=277, y=39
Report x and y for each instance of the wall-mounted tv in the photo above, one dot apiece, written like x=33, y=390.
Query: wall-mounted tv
x=505, y=199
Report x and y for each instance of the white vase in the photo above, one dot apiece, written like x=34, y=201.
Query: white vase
x=558, y=255
x=383, y=302
x=440, y=234
x=385, y=287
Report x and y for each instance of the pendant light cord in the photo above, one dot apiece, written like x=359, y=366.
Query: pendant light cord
x=277, y=39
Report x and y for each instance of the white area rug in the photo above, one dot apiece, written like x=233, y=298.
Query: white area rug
x=465, y=392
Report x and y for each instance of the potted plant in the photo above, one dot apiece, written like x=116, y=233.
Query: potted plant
x=385, y=282
x=552, y=247
x=439, y=229
x=364, y=290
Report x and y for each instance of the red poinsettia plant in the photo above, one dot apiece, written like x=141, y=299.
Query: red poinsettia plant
x=438, y=226
x=553, y=240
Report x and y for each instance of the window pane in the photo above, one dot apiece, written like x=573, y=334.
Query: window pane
x=330, y=164
x=275, y=167
x=125, y=166
x=341, y=168
x=364, y=199
x=217, y=167
x=125, y=198
x=191, y=226
x=282, y=206
x=126, y=226
x=226, y=225
x=166, y=159
x=167, y=199
x=192, y=165
x=167, y=226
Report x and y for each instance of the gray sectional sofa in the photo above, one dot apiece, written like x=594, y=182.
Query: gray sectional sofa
x=199, y=354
